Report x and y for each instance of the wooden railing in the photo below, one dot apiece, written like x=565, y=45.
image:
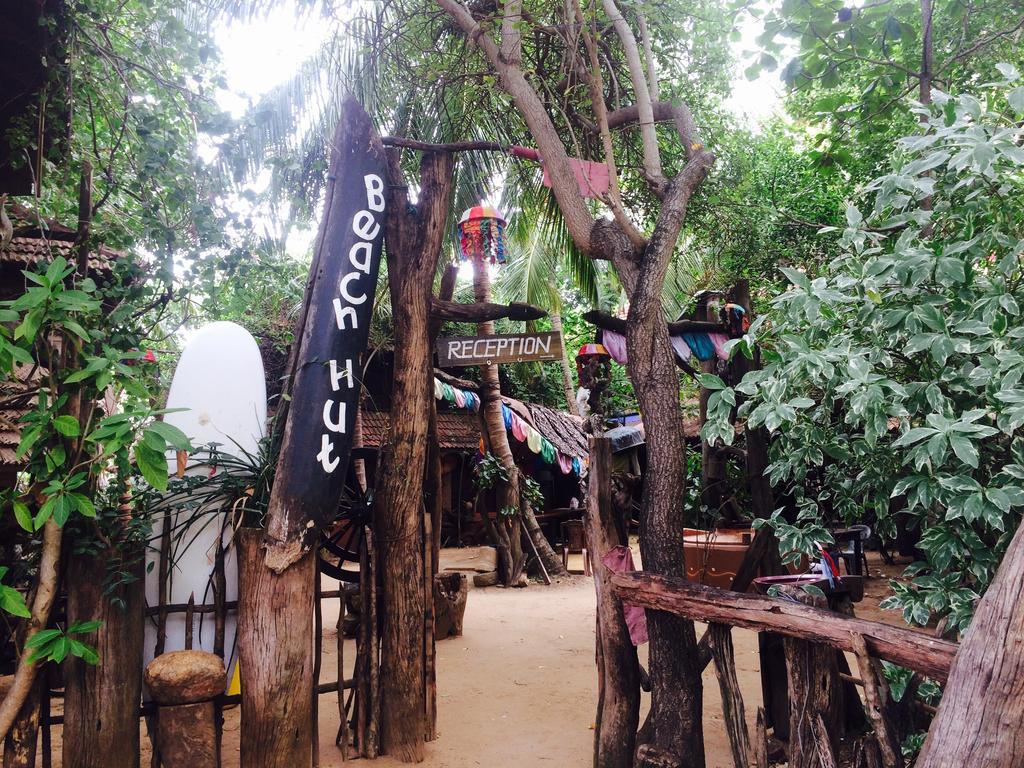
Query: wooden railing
x=818, y=682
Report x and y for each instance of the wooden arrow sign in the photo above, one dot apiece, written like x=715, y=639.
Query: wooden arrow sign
x=459, y=351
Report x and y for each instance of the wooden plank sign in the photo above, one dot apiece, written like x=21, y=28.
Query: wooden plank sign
x=339, y=301
x=457, y=351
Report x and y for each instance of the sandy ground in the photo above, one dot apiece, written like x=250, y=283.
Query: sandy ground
x=519, y=687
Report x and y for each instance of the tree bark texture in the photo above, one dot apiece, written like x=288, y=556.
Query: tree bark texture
x=979, y=722
x=413, y=237
x=507, y=527
x=276, y=657
x=905, y=647
x=812, y=674
x=676, y=688
x=732, y=698
x=618, y=687
x=101, y=702
x=187, y=736
x=19, y=748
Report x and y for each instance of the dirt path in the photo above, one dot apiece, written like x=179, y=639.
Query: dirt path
x=519, y=688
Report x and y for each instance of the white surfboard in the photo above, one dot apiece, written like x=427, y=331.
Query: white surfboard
x=219, y=384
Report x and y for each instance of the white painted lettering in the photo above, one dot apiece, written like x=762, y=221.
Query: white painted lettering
x=362, y=264
x=365, y=226
x=340, y=313
x=343, y=289
x=334, y=426
x=324, y=457
x=337, y=376
x=374, y=192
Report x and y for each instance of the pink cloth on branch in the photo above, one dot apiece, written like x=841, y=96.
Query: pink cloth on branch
x=615, y=343
x=718, y=340
x=620, y=560
x=681, y=347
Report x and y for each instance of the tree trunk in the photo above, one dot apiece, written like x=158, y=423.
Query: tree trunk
x=712, y=461
x=676, y=688
x=980, y=722
x=276, y=658
x=618, y=698
x=497, y=438
x=567, y=385
x=101, y=702
x=413, y=237
x=732, y=699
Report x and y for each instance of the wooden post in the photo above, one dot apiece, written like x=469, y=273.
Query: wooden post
x=732, y=698
x=814, y=691
x=403, y=534
x=876, y=694
x=618, y=686
x=979, y=721
x=276, y=658
x=184, y=685
x=101, y=701
x=760, y=741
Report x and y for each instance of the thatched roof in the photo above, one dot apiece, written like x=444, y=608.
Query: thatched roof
x=28, y=251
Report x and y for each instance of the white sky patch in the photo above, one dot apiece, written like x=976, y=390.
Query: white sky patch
x=754, y=100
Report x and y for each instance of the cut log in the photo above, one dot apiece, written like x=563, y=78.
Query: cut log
x=275, y=658
x=905, y=647
x=732, y=698
x=618, y=685
x=184, y=684
x=979, y=722
x=450, y=593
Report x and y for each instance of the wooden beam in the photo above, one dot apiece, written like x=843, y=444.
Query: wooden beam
x=484, y=311
x=905, y=647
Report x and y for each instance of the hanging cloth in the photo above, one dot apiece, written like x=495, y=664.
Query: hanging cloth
x=700, y=345
x=564, y=463
x=718, y=342
x=620, y=560
x=518, y=428
x=506, y=414
x=576, y=465
x=547, y=451
x=460, y=398
x=438, y=390
x=472, y=401
x=533, y=438
x=615, y=343
x=679, y=345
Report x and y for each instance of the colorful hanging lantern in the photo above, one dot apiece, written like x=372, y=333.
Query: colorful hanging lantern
x=589, y=359
x=482, y=234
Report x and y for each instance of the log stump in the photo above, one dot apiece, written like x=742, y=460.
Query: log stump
x=184, y=685
x=450, y=593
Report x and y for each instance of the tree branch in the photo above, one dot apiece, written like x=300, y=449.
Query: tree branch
x=25, y=674
x=484, y=311
x=648, y=134
x=578, y=219
x=594, y=83
x=608, y=322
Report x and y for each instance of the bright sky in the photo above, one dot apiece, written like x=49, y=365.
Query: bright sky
x=260, y=54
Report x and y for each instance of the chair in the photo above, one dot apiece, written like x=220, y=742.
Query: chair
x=574, y=542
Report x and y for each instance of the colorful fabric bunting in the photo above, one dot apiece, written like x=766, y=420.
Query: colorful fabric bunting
x=718, y=342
